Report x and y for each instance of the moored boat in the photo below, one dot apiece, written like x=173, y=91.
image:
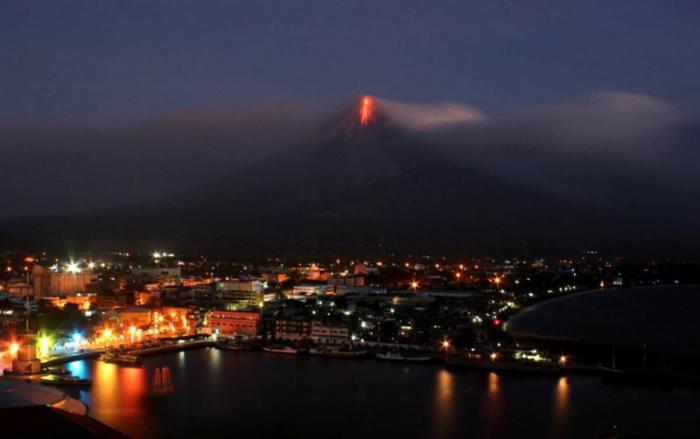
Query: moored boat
x=338, y=352
x=121, y=359
x=406, y=357
x=65, y=380
x=281, y=350
x=500, y=363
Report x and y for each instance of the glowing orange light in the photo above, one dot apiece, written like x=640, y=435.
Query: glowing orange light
x=14, y=348
x=365, y=110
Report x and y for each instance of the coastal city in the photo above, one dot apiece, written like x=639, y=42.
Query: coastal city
x=349, y=219
x=417, y=308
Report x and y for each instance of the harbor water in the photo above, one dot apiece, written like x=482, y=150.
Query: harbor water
x=214, y=393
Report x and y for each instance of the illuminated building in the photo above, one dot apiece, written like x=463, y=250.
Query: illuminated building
x=329, y=332
x=303, y=291
x=355, y=281
x=51, y=283
x=134, y=316
x=246, y=292
x=83, y=302
x=234, y=322
x=161, y=275
x=293, y=328
x=18, y=289
x=316, y=273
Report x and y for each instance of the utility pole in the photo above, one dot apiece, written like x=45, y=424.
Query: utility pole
x=26, y=318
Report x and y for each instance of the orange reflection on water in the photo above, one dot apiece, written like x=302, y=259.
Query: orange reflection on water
x=493, y=410
x=105, y=392
x=132, y=381
x=162, y=381
x=561, y=408
x=118, y=394
x=494, y=381
x=561, y=402
x=444, y=404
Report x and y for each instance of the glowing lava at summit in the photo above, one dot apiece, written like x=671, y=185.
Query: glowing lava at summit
x=365, y=110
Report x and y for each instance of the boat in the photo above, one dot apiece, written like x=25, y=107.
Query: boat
x=229, y=345
x=406, y=357
x=338, y=352
x=121, y=359
x=501, y=363
x=237, y=345
x=58, y=370
x=281, y=350
x=65, y=380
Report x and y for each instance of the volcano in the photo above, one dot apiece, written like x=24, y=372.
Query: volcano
x=361, y=183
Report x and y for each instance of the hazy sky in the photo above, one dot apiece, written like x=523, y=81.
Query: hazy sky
x=111, y=62
x=105, y=103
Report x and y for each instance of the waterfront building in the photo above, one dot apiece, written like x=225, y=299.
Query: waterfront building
x=292, y=328
x=233, y=323
x=329, y=332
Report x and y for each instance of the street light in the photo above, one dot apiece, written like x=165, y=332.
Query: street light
x=14, y=348
x=73, y=267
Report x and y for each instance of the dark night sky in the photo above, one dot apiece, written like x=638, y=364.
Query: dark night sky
x=145, y=85
x=133, y=59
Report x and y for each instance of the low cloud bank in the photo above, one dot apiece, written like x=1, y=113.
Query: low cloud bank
x=613, y=149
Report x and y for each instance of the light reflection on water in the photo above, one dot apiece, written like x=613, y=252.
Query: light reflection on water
x=492, y=417
x=444, y=404
x=77, y=368
x=206, y=393
x=560, y=413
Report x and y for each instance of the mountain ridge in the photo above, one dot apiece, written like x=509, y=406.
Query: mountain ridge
x=361, y=182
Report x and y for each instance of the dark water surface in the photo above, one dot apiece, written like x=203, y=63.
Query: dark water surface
x=212, y=393
x=661, y=317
